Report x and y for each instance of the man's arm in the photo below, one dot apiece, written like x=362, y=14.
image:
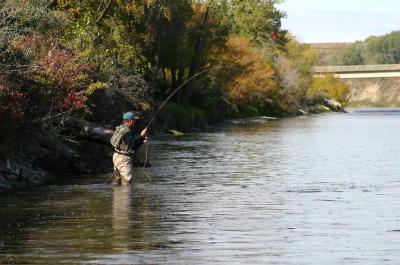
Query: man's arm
x=133, y=141
x=138, y=142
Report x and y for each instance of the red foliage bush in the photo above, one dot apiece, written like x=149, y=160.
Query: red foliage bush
x=63, y=74
x=64, y=70
x=12, y=103
x=74, y=100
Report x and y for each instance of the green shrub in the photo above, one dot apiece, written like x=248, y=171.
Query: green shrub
x=182, y=117
x=96, y=86
x=329, y=86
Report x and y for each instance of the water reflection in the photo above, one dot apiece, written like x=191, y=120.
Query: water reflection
x=131, y=223
x=121, y=212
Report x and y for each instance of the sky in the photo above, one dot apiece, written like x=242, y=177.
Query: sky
x=340, y=20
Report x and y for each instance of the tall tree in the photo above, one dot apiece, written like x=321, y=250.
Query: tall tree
x=257, y=20
x=384, y=49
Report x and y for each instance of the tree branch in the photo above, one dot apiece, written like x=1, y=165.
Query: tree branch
x=103, y=12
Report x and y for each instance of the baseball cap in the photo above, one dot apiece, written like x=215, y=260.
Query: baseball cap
x=130, y=116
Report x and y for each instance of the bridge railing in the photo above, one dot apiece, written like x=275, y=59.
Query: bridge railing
x=356, y=68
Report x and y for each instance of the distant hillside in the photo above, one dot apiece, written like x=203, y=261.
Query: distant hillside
x=328, y=51
x=383, y=49
x=329, y=45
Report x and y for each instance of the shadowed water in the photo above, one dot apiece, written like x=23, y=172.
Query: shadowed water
x=308, y=190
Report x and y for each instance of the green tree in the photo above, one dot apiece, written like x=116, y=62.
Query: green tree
x=329, y=86
x=166, y=40
x=257, y=20
x=108, y=33
x=353, y=55
x=374, y=50
x=384, y=49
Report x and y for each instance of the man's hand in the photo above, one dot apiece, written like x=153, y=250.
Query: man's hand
x=144, y=132
x=145, y=139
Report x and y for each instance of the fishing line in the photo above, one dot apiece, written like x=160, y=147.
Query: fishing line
x=161, y=107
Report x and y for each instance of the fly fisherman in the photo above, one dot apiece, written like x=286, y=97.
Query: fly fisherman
x=126, y=143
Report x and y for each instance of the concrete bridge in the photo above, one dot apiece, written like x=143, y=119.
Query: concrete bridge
x=359, y=71
x=369, y=85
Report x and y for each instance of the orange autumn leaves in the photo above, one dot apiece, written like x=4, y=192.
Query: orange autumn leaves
x=246, y=76
x=265, y=79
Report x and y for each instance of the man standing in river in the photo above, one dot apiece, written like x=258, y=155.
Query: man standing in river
x=126, y=143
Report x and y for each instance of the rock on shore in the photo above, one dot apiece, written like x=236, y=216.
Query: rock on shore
x=316, y=105
x=83, y=149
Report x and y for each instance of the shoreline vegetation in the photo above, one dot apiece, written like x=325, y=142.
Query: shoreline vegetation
x=70, y=68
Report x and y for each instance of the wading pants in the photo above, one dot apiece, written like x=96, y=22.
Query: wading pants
x=124, y=166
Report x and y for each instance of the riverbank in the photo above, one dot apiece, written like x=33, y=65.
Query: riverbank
x=82, y=147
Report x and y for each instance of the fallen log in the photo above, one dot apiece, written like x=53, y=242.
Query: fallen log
x=86, y=130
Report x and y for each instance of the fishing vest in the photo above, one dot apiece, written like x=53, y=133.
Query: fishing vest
x=117, y=139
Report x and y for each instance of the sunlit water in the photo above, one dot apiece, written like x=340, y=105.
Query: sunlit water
x=307, y=190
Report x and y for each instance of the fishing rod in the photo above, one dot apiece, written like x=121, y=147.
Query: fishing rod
x=176, y=91
x=162, y=106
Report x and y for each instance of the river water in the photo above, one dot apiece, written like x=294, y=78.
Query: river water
x=307, y=190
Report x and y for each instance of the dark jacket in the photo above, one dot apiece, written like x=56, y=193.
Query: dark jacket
x=129, y=142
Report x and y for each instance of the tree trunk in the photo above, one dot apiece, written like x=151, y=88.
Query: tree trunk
x=164, y=76
x=193, y=65
x=181, y=74
x=158, y=24
x=173, y=79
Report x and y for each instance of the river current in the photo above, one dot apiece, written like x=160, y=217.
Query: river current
x=308, y=190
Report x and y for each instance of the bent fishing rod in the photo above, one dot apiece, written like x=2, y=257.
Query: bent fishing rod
x=176, y=91
x=162, y=106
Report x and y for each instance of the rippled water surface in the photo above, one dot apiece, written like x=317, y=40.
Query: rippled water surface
x=308, y=190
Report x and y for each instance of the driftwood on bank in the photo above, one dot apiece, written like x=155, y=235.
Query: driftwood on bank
x=86, y=130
